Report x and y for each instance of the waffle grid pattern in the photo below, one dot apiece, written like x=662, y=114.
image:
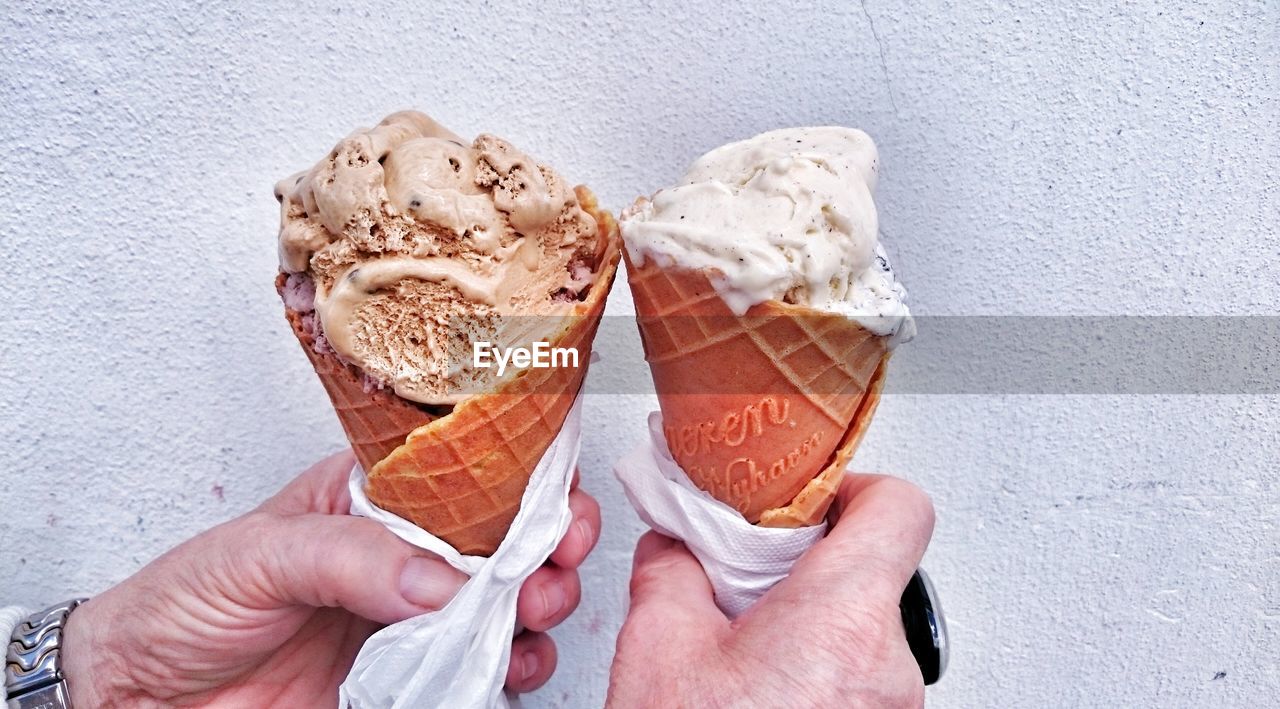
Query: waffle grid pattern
x=814, y=352
x=473, y=471
x=708, y=363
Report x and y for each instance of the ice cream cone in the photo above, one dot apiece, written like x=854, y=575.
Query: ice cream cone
x=460, y=474
x=763, y=410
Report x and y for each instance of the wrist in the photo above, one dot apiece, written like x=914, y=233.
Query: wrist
x=90, y=664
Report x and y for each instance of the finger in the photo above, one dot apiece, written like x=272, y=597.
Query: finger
x=334, y=561
x=670, y=591
x=651, y=544
x=547, y=597
x=583, y=532
x=577, y=479
x=533, y=661
x=321, y=488
x=881, y=527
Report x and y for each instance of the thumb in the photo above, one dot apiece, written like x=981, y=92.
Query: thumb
x=669, y=590
x=337, y=561
x=673, y=618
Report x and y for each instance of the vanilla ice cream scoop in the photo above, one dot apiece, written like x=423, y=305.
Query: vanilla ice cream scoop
x=788, y=216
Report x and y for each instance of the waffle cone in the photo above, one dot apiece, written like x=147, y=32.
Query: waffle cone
x=461, y=474
x=764, y=410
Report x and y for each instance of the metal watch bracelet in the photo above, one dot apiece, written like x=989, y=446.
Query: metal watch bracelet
x=33, y=676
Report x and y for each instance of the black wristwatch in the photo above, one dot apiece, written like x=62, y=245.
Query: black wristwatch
x=33, y=676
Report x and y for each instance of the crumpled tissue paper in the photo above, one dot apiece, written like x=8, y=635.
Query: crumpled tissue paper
x=742, y=561
x=458, y=656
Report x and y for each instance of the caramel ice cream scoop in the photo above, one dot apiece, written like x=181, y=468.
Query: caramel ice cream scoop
x=418, y=243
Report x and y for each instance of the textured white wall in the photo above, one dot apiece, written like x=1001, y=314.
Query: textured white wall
x=1039, y=158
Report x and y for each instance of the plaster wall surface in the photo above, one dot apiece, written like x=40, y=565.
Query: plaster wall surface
x=1060, y=158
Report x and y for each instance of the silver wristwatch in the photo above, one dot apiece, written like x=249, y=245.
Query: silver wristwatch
x=33, y=666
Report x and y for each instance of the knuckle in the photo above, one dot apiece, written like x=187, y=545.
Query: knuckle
x=919, y=503
x=252, y=525
x=911, y=497
x=911, y=504
x=922, y=508
x=573, y=589
x=655, y=569
x=645, y=623
x=251, y=533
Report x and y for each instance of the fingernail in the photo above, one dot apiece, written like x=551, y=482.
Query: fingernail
x=553, y=598
x=586, y=532
x=528, y=665
x=428, y=582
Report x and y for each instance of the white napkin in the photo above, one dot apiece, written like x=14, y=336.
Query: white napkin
x=742, y=560
x=458, y=656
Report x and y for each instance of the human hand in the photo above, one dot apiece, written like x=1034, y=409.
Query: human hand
x=830, y=634
x=271, y=608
